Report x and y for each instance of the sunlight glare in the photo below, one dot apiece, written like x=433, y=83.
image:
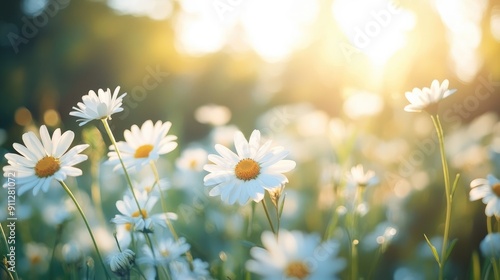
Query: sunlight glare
x=376, y=28
x=463, y=21
x=495, y=23
x=155, y=9
x=276, y=28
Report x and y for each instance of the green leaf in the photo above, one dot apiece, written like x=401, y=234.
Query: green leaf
x=450, y=248
x=248, y=244
x=455, y=183
x=434, y=250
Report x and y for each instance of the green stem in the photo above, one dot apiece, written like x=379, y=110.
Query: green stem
x=164, y=208
x=449, y=198
x=268, y=216
x=65, y=187
x=129, y=181
x=354, y=259
x=95, y=191
x=148, y=240
x=493, y=260
x=4, y=239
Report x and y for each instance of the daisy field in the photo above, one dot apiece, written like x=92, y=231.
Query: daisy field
x=298, y=140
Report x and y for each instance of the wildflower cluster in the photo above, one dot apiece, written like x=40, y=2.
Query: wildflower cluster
x=150, y=217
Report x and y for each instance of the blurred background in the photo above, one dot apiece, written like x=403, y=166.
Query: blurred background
x=313, y=74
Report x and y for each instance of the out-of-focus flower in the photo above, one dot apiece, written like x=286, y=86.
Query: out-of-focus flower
x=42, y=162
x=181, y=271
x=223, y=135
x=213, y=114
x=490, y=245
x=166, y=251
x=405, y=273
x=148, y=184
x=37, y=257
x=428, y=98
x=98, y=106
x=381, y=236
x=192, y=159
x=71, y=252
x=358, y=177
x=295, y=255
x=143, y=145
x=143, y=220
x=247, y=174
x=121, y=262
x=488, y=190
x=362, y=104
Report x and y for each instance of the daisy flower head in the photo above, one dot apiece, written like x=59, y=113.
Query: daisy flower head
x=427, y=99
x=247, y=173
x=181, y=270
x=140, y=220
x=294, y=255
x=488, y=190
x=40, y=162
x=143, y=145
x=192, y=159
x=165, y=251
x=98, y=106
x=358, y=177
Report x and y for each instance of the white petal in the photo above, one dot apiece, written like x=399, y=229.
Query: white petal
x=64, y=143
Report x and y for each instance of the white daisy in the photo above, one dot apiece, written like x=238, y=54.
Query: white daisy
x=143, y=145
x=36, y=257
x=428, y=98
x=148, y=184
x=165, y=251
x=141, y=220
x=488, y=190
x=192, y=160
x=42, y=162
x=358, y=177
x=98, y=106
x=121, y=262
x=71, y=252
x=181, y=271
x=295, y=255
x=247, y=174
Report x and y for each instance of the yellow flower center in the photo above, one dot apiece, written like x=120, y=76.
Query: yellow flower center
x=128, y=226
x=193, y=164
x=36, y=259
x=143, y=151
x=297, y=270
x=143, y=213
x=165, y=253
x=247, y=169
x=496, y=189
x=47, y=166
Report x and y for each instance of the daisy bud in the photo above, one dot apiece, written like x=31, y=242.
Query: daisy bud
x=121, y=262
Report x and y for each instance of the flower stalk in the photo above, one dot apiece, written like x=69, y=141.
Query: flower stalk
x=448, y=193
x=68, y=191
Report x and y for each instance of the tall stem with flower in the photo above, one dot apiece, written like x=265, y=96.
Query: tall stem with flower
x=45, y=161
x=247, y=174
x=427, y=99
